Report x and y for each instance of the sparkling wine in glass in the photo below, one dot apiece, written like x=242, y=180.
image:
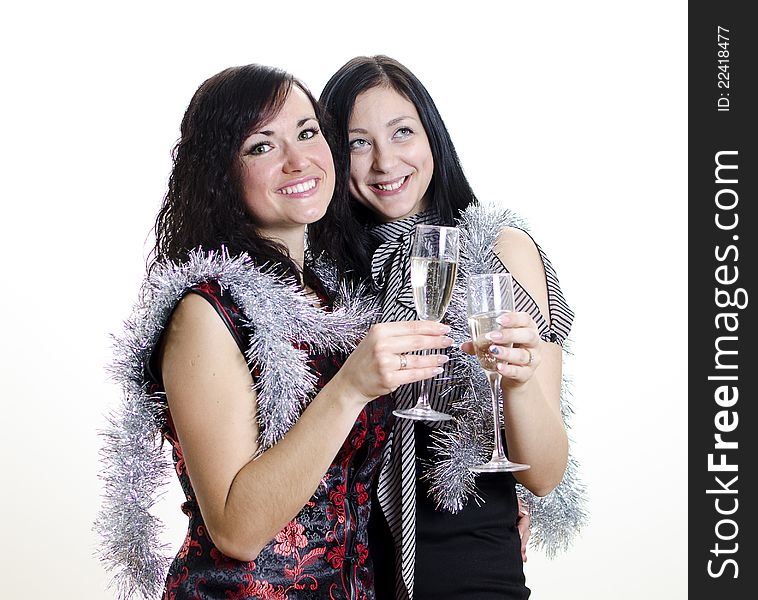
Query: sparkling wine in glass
x=434, y=263
x=490, y=296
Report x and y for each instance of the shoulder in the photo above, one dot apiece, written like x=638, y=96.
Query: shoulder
x=521, y=256
x=195, y=323
x=516, y=244
x=193, y=308
x=197, y=347
x=532, y=269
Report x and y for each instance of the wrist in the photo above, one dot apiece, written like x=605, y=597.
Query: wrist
x=515, y=391
x=345, y=393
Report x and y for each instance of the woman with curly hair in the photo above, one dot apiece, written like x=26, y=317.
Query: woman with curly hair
x=255, y=365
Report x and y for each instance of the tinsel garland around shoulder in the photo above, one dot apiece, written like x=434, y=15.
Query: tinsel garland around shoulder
x=135, y=463
x=467, y=439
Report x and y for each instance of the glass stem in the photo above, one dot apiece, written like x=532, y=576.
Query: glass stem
x=423, y=398
x=498, y=453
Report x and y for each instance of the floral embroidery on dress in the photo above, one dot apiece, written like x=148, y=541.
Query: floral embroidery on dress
x=290, y=538
x=320, y=553
x=257, y=589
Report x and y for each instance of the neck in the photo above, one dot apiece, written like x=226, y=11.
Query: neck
x=292, y=239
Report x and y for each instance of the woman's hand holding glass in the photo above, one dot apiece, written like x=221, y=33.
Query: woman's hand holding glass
x=514, y=346
x=490, y=302
x=434, y=264
x=382, y=361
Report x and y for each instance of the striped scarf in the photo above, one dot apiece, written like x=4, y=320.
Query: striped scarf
x=396, y=488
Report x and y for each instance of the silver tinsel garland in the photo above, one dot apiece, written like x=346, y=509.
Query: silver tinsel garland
x=467, y=439
x=135, y=464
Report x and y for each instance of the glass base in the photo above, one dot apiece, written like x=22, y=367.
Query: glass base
x=420, y=413
x=499, y=465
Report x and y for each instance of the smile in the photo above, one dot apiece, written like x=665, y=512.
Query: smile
x=391, y=186
x=298, y=188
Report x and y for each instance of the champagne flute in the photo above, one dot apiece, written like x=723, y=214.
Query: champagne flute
x=434, y=263
x=490, y=296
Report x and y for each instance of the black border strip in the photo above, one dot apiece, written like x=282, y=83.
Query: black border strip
x=722, y=228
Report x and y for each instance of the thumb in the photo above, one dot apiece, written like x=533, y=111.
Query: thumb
x=468, y=347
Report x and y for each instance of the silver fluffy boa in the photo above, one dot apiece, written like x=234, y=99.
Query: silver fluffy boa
x=467, y=439
x=135, y=463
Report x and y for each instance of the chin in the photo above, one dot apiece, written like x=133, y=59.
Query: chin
x=311, y=216
x=395, y=213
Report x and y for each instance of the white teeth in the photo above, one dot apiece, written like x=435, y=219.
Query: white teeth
x=391, y=186
x=299, y=188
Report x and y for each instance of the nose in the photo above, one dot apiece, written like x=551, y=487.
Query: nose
x=295, y=159
x=384, y=158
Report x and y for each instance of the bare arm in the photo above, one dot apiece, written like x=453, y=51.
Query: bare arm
x=531, y=371
x=534, y=427
x=245, y=502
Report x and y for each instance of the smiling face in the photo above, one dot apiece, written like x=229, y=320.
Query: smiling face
x=287, y=171
x=391, y=162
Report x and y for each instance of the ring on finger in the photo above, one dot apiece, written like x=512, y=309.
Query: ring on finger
x=531, y=356
x=403, y=361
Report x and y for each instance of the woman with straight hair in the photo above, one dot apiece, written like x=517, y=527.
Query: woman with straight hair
x=440, y=532
x=237, y=356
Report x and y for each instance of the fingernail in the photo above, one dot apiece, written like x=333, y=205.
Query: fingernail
x=444, y=328
x=504, y=319
x=494, y=336
x=438, y=370
x=448, y=340
x=494, y=350
x=502, y=367
x=442, y=359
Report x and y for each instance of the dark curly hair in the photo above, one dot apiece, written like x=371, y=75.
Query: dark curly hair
x=346, y=219
x=204, y=206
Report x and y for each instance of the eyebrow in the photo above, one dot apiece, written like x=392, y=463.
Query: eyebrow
x=300, y=123
x=394, y=121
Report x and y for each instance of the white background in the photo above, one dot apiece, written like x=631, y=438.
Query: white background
x=572, y=113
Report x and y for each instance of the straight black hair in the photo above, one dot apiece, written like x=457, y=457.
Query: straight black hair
x=344, y=224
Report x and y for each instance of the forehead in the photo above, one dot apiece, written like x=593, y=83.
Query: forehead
x=379, y=105
x=296, y=106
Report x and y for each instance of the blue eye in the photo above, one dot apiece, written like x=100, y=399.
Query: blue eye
x=403, y=132
x=358, y=144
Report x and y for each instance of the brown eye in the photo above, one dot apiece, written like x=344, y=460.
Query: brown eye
x=307, y=134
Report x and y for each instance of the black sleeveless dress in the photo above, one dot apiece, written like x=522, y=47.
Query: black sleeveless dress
x=420, y=552
x=323, y=551
x=486, y=535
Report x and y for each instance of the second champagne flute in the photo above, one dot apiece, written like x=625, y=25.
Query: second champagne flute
x=490, y=296
x=434, y=263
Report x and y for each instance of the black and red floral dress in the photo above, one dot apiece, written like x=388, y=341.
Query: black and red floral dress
x=323, y=551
